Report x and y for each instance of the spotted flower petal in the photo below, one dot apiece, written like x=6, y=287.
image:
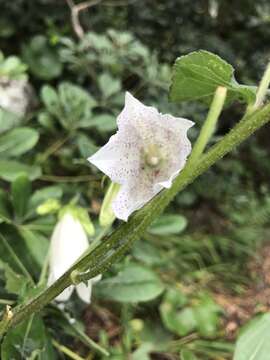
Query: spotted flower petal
x=144, y=156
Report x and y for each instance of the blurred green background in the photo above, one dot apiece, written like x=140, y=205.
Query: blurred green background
x=201, y=271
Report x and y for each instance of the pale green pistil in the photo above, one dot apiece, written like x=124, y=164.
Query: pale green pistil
x=152, y=155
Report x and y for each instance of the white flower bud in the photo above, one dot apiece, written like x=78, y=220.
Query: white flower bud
x=69, y=241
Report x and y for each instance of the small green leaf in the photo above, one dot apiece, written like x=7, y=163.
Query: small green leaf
x=10, y=170
x=168, y=225
x=15, y=283
x=254, y=342
x=197, y=75
x=17, y=142
x=108, y=85
x=20, y=191
x=179, y=321
x=134, y=283
x=104, y=122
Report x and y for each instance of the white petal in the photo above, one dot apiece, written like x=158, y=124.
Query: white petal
x=65, y=295
x=119, y=158
x=84, y=292
x=134, y=111
x=133, y=196
x=69, y=241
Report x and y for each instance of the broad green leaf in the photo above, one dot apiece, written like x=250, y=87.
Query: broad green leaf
x=148, y=253
x=28, y=340
x=10, y=170
x=20, y=191
x=197, y=75
x=168, y=225
x=4, y=205
x=133, y=284
x=8, y=120
x=42, y=59
x=17, y=141
x=37, y=244
x=254, y=342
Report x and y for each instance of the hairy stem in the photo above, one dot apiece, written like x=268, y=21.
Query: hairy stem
x=112, y=248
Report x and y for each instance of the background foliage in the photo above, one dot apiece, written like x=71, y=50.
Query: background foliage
x=170, y=298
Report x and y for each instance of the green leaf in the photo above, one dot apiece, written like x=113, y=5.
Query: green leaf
x=108, y=85
x=187, y=355
x=207, y=313
x=175, y=316
x=85, y=145
x=197, y=75
x=168, y=225
x=37, y=245
x=104, y=122
x=28, y=340
x=51, y=100
x=10, y=170
x=41, y=195
x=8, y=120
x=42, y=59
x=254, y=342
x=20, y=191
x=4, y=206
x=134, y=283
x=17, y=142
x=15, y=283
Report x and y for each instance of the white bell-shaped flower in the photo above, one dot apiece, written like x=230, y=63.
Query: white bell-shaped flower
x=144, y=156
x=69, y=241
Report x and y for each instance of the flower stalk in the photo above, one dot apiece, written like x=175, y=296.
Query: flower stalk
x=115, y=245
x=209, y=125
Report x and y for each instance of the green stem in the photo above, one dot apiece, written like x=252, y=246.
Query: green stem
x=262, y=89
x=115, y=245
x=209, y=125
x=65, y=350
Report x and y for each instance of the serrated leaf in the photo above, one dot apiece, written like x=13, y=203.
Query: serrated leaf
x=133, y=284
x=10, y=170
x=197, y=75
